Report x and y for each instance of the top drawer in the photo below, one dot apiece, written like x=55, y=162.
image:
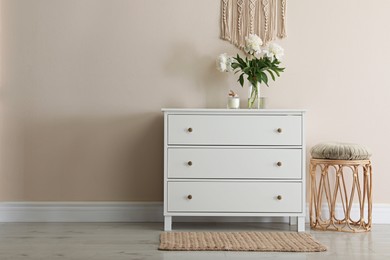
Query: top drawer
x=234, y=130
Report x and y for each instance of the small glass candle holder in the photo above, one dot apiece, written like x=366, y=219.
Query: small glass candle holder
x=233, y=102
x=263, y=102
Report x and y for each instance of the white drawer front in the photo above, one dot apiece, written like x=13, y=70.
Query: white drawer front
x=222, y=196
x=234, y=163
x=234, y=130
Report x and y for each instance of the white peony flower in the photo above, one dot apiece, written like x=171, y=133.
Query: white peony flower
x=253, y=44
x=224, y=63
x=274, y=51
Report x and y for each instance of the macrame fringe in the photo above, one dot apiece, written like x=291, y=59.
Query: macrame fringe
x=239, y=18
x=282, y=19
x=225, y=20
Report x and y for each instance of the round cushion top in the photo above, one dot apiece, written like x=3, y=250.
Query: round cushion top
x=340, y=151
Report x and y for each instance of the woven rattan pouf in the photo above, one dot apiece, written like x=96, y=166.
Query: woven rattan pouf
x=340, y=187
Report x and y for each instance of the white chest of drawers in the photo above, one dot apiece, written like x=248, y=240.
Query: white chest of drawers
x=223, y=162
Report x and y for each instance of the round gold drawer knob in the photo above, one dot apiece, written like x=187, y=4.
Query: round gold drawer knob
x=189, y=197
x=189, y=163
x=190, y=130
x=279, y=164
x=279, y=197
x=279, y=130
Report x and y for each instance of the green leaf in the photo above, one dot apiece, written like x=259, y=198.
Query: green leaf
x=241, y=80
x=235, y=65
x=271, y=74
x=246, y=70
x=265, y=78
x=240, y=61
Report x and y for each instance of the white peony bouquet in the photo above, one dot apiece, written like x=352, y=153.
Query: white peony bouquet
x=259, y=63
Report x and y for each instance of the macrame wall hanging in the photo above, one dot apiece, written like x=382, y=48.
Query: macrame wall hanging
x=239, y=18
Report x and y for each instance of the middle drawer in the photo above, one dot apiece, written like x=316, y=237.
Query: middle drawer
x=225, y=163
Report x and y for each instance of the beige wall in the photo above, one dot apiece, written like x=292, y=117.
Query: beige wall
x=83, y=82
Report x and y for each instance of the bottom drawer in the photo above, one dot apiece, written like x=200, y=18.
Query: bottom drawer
x=223, y=196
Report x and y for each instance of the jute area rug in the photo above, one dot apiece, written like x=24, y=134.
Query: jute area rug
x=239, y=241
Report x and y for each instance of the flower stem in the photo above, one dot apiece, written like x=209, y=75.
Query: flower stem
x=253, y=97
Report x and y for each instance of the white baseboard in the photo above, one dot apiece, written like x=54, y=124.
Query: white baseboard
x=129, y=212
x=380, y=213
x=81, y=212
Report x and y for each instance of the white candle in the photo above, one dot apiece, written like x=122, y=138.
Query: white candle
x=233, y=102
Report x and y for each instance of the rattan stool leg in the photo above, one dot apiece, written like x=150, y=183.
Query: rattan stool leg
x=341, y=187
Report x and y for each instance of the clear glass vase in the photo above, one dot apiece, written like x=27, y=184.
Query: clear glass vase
x=254, y=96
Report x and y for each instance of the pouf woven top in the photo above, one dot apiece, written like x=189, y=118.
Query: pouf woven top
x=340, y=151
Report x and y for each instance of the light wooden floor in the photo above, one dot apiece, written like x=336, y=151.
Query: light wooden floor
x=112, y=241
